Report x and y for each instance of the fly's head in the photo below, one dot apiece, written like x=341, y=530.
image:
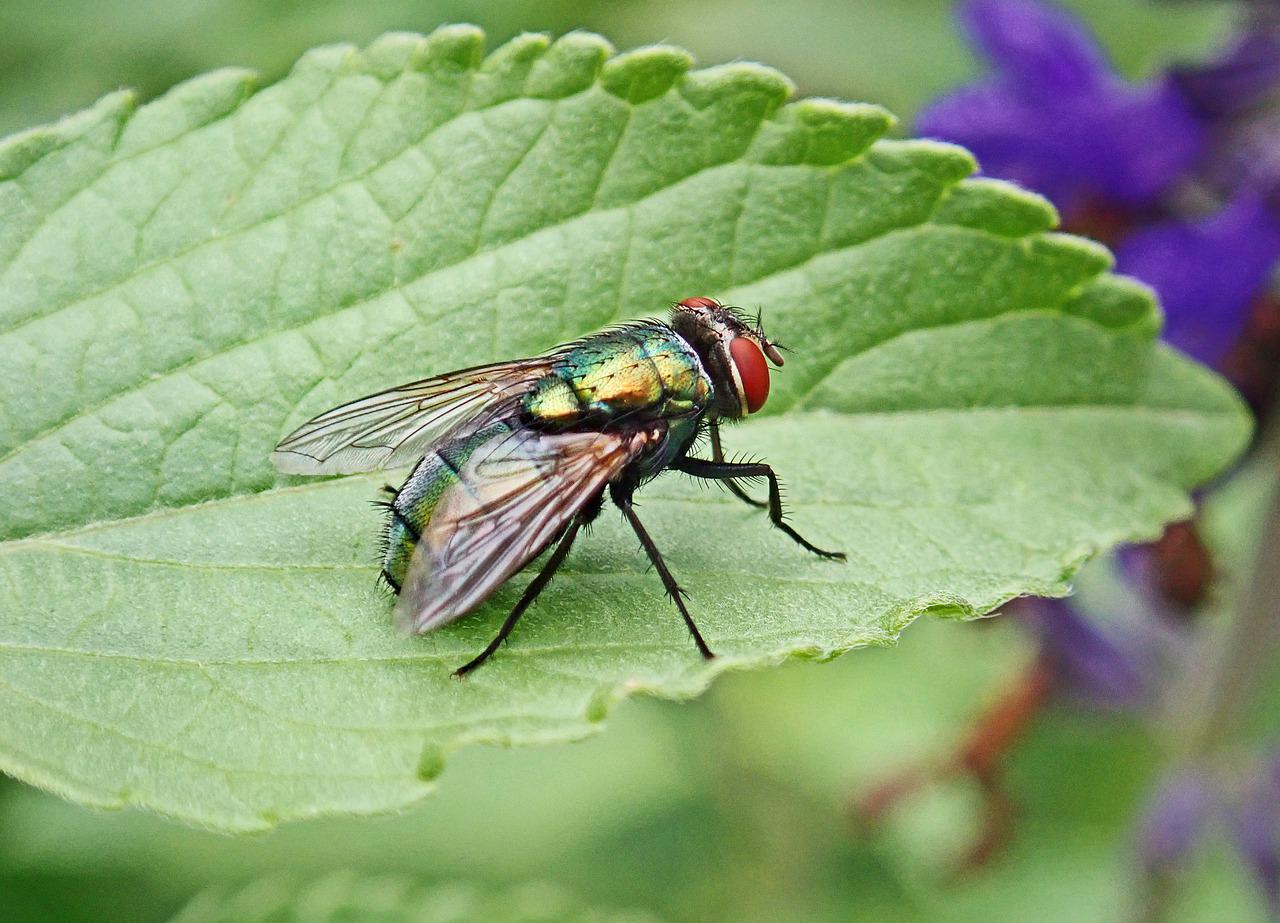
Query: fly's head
x=735, y=353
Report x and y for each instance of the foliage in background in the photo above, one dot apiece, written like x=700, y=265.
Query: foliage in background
x=343, y=896
x=58, y=58
x=779, y=749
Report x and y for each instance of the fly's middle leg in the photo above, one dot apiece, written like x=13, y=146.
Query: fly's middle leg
x=622, y=498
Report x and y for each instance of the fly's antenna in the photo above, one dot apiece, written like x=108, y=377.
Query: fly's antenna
x=758, y=328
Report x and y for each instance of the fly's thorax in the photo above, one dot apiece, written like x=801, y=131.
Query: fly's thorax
x=643, y=370
x=736, y=356
x=553, y=402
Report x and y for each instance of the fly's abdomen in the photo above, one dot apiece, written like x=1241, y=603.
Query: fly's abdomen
x=417, y=500
x=645, y=369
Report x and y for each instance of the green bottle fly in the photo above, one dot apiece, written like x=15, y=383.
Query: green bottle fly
x=514, y=457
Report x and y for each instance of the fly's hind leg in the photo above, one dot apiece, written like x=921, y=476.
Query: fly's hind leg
x=727, y=471
x=536, y=586
x=622, y=498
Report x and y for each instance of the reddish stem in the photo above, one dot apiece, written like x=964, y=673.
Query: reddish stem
x=998, y=728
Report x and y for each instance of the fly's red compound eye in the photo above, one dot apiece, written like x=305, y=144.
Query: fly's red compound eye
x=752, y=369
x=699, y=302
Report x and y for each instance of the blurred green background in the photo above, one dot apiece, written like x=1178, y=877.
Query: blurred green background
x=735, y=806
x=59, y=57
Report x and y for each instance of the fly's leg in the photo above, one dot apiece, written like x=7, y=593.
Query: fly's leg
x=726, y=471
x=717, y=455
x=655, y=556
x=531, y=592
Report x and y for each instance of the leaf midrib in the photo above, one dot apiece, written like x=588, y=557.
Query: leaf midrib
x=1129, y=410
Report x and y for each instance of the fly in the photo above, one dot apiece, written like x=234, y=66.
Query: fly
x=515, y=457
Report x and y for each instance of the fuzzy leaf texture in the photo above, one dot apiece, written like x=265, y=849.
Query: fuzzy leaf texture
x=973, y=406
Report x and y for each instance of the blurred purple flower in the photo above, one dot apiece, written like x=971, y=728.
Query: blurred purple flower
x=1056, y=119
x=1176, y=816
x=1104, y=668
x=1256, y=829
x=1193, y=798
x=1208, y=272
x=1236, y=96
x=1242, y=78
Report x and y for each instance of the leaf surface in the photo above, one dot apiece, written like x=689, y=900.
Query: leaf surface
x=973, y=408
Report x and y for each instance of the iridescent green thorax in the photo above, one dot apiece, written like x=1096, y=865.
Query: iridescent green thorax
x=645, y=367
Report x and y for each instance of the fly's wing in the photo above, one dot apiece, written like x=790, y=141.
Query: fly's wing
x=396, y=427
x=513, y=496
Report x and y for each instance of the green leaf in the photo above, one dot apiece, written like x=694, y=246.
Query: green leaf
x=348, y=896
x=973, y=408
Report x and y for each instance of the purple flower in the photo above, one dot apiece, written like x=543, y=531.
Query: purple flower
x=1255, y=828
x=1192, y=799
x=1055, y=118
x=1242, y=78
x=1176, y=816
x=1208, y=272
x=1182, y=176
x=1235, y=96
x=1105, y=668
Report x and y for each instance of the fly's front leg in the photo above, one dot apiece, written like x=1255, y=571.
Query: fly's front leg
x=717, y=455
x=727, y=471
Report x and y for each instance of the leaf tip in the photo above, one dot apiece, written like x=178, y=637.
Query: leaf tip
x=598, y=705
x=702, y=87
x=945, y=163
x=1119, y=302
x=187, y=106
x=645, y=73
x=100, y=125
x=454, y=47
x=571, y=64
x=822, y=132
x=1093, y=258
x=526, y=47
x=997, y=206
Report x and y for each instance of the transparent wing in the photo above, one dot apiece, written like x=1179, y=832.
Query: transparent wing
x=396, y=427
x=513, y=496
